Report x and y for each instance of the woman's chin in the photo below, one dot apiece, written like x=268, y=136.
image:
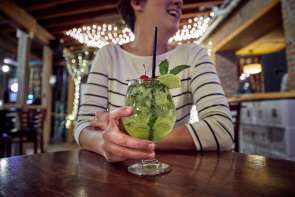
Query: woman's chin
x=172, y=31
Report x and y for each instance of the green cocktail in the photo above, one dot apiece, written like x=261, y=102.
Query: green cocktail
x=154, y=112
x=153, y=118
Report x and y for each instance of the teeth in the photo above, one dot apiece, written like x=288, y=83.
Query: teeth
x=172, y=12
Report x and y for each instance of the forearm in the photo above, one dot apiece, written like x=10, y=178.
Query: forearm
x=91, y=140
x=178, y=139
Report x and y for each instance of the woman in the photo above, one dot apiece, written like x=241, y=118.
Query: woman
x=100, y=131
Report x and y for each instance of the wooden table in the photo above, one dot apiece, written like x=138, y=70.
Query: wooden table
x=81, y=173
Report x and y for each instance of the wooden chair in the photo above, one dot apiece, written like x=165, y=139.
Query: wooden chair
x=6, y=126
x=30, y=128
x=235, y=108
x=5, y=145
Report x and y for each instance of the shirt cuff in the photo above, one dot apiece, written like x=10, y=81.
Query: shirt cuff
x=197, y=144
x=78, y=129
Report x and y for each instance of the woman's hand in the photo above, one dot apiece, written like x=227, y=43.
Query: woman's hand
x=115, y=145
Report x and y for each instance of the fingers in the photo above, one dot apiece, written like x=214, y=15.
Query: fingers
x=112, y=157
x=118, y=146
x=114, y=152
x=101, y=120
x=114, y=135
x=121, y=112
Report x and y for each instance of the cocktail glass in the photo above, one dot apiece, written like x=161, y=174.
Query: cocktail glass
x=153, y=118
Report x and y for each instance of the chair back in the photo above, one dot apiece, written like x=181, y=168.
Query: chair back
x=31, y=119
x=7, y=125
x=8, y=120
x=235, y=108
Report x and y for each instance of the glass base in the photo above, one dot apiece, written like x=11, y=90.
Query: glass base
x=149, y=168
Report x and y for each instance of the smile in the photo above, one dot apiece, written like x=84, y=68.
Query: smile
x=174, y=12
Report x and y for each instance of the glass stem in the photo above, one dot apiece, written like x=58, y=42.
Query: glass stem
x=149, y=161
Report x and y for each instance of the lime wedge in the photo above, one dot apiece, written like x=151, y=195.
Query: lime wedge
x=170, y=80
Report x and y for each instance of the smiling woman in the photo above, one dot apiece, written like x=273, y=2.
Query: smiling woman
x=128, y=15
x=98, y=129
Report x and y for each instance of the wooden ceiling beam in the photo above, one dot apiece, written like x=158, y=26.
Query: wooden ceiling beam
x=202, y=4
x=90, y=6
x=24, y=20
x=81, y=18
x=59, y=29
x=54, y=29
x=45, y=4
x=74, y=8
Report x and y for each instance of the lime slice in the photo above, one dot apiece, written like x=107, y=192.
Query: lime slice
x=170, y=80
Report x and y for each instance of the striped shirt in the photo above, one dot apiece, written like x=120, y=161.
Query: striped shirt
x=113, y=67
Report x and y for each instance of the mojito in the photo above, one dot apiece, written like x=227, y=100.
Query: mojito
x=154, y=112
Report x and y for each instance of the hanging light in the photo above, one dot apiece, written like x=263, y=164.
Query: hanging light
x=252, y=68
x=99, y=36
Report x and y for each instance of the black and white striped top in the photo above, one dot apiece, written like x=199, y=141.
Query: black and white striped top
x=113, y=67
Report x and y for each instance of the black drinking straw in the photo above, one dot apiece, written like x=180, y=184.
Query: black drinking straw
x=155, y=52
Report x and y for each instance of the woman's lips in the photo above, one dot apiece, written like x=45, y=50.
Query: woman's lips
x=174, y=12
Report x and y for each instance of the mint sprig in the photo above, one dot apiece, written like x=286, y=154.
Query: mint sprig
x=178, y=69
x=164, y=68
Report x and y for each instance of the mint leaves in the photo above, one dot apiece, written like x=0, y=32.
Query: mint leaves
x=178, y=69
x=164, y=68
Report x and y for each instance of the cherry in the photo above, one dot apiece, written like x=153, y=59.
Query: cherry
x=144, y=77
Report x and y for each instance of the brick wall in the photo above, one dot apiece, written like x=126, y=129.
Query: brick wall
x=226, y=66
x=288, y=11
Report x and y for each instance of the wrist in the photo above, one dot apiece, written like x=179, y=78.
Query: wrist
x=178, y=139
x=92, y=140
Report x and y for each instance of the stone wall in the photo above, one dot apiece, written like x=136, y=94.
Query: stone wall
x=226, y=66
x=288, y=11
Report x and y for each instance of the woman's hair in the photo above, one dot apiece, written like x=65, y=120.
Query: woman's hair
x=127, y=13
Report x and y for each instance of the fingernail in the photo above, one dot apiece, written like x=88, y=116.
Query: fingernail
x=126, y=107
x=152, y=146
x=129, y=109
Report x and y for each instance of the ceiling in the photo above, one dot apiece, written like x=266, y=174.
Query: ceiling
x=258, y=36
x=272, y=42
x=58, y=16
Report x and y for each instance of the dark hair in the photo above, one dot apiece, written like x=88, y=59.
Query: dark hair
x=127, y=13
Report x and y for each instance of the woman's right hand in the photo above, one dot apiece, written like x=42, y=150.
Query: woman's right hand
x=115, y=145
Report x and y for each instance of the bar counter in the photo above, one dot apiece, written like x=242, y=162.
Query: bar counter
x=262, y=96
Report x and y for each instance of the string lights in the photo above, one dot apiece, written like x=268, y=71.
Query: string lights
x=78, y=67
x=192, y=30
x=100, y=35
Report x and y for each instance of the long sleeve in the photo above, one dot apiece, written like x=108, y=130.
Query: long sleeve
x=95, y=96
x=214, y=131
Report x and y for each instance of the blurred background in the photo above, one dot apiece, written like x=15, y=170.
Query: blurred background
x=46, y=49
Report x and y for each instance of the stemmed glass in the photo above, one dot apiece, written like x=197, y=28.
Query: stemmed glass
x=153, y=118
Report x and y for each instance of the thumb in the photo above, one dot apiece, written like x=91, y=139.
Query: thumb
x=121, y=112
